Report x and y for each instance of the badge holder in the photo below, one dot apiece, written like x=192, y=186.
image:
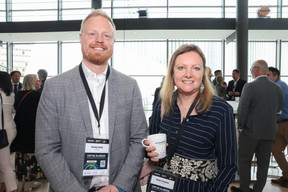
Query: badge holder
x=161, y=180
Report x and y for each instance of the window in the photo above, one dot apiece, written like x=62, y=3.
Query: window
x=71, y=55
x=29, y=58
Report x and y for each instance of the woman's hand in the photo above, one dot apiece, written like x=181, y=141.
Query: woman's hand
x=150, y=151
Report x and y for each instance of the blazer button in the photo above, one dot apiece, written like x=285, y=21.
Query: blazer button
x=86, y=182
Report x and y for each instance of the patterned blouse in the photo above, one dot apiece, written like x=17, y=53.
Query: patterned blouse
x=207, y=136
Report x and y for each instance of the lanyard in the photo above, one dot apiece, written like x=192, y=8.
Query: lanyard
x=172, y=148
x=92, y=102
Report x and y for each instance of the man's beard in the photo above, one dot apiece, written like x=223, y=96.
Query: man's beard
x=96, y=58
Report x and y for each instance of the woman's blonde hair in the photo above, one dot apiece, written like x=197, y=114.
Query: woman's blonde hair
x=166, y=93
x=29, y=82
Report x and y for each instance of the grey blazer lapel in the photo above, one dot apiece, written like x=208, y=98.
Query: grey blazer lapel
x=112, y=101
x=82, y=98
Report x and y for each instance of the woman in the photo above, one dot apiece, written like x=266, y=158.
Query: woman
x=7, y=176
x=26, y=102
x=205, y=157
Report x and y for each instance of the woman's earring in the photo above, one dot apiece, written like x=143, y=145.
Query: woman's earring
x=202, y=87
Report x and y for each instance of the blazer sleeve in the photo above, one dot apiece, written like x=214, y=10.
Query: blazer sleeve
x=48, y=144
x=243, y=107
x=127, y=177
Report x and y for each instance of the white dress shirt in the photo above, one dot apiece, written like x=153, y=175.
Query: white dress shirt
x=96, y=84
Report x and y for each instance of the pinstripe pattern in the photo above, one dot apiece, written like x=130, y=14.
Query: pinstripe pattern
x=210, y=135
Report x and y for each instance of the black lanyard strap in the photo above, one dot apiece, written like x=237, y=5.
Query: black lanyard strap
x=172, y=148
x=92, y=102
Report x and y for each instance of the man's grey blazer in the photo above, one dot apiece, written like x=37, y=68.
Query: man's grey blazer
x=63, y=123
x=260, y=101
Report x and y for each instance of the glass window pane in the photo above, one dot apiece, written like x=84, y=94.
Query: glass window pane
x=230, y=60
x=230, y=12
x=139, y=3
x=106, y=3
x=211, y=50
x=75, y=14
x=285, y=2
x=196, y=12
x=261, y=50
x=76, y=4
x=29, y=58
x=33, y=4
x=2, y=5
x=140, y=58
x=3, y=57
x=71, y=55
x=2, y=16
x=147, y=85
x=285, y=12
x=34, y=15
x=284, y=59
x=195, y=3
x=230, y=2
x=134, y=12
x=262, y=2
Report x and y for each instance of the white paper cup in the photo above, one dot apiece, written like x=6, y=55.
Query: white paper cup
x=237, y=99
x=159, y=141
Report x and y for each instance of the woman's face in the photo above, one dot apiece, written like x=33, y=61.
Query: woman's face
x=38, y=84
x=188, y=73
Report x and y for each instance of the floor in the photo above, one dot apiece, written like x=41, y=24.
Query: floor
x=273, y=172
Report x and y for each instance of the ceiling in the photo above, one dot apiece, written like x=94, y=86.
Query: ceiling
x=145, y=34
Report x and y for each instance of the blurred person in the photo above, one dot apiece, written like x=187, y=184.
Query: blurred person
x=156, y=93
x=26, y=102
x=281, y=139
x=209, y=73
x=220, y=87
x=7, y=175
x=208, y=141
x=235, y=86
x=15, y=77
x=73, y=116
x=42, y=76
x=216, y=74
x=260, y=101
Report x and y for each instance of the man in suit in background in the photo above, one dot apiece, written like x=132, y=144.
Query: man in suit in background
x=217, y=73
x=281, y=139
x=90, y=120
x=15, y=77
x=42, y=76
x=260, y=101
x=235, y=86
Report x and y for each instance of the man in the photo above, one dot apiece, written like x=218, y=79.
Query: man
x=216, y=74
x=281, y=138
x=42, y=76
x=235, y=86
x=15, y=77
x=260, y=101
x=86, y=144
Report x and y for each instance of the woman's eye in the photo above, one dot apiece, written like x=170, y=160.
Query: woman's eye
x=180, y=68
x=196, y=68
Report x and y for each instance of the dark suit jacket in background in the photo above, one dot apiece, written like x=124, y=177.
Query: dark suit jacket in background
x=63, y=123
x=259, y=103
x=239, y=86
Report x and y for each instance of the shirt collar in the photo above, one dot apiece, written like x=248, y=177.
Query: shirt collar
x=261, y=76
x=90, y=74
